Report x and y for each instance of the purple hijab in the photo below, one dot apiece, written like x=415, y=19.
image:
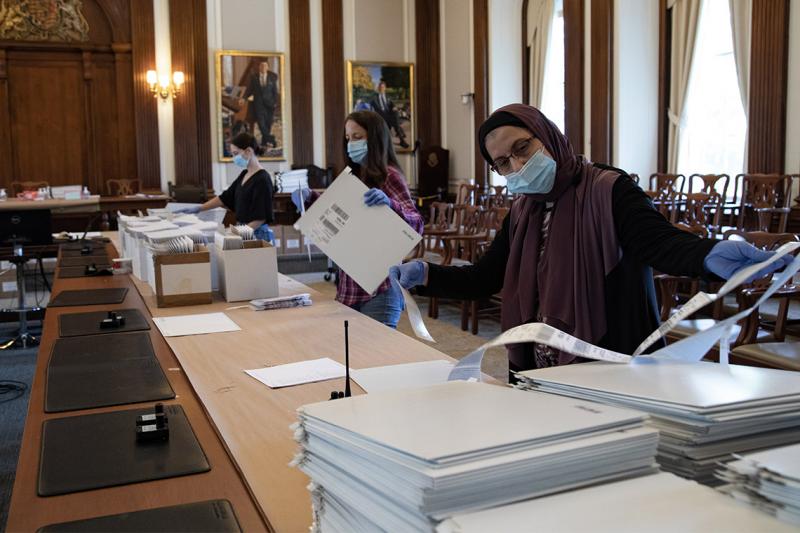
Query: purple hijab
x=566, y=283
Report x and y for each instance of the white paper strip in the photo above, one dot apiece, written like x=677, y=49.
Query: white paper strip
x=414, y=315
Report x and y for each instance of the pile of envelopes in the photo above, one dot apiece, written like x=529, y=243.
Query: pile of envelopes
x=768, y=480
x=658, y=503
x=404, y=460
x=704, y=411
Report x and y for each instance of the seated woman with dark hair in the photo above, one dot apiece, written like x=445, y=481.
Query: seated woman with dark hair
x=250, y=195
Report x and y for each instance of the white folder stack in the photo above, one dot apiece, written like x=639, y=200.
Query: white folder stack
x=403, y=460
x=768, y=480
x=659, y=503
x=704, y=411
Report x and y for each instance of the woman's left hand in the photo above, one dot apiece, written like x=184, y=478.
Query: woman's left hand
x=376, y=197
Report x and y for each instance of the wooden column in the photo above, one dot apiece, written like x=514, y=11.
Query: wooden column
x=145, y=111
x=769, y=57
x=333, y=72
x=428, y=78
x=300, y=59
x=90, y=179
x=664, y=77
x=602, y=54
x=574, y=31
x=480, y=14
x=6, y=150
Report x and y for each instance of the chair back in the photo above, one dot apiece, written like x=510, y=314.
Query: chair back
x=496, y=196
x=698, y=209
x=126, y=187
x=764, y=195
x=708, y=183
x=664, y=184
x=19, y=187
x=441, y=216
x=468, y=194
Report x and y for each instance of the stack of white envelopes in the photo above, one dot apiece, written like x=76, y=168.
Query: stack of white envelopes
x=704, y=411
x=658, y=503
x=768, y=480
x=404, y=460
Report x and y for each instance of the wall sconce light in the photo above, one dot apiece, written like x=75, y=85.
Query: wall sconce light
x=466, y=98
x=161, y=85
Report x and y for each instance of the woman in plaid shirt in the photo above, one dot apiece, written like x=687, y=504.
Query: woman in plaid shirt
x=370, y=154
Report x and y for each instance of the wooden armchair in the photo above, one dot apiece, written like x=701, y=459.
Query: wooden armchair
x=496, y=196
x=763, y=197
x=698, y=209
x=468, y=194
x=19, y=187
x=668, y=286
x=122, y=187
x=709, y=183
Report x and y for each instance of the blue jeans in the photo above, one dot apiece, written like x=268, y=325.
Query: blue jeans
x=385, y=307
x=264, y=233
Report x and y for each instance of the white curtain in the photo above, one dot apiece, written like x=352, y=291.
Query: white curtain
x=741, y=17
x=540, y=19
x=685, y=17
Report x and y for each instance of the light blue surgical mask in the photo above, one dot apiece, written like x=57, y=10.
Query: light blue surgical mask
x=357, y=150
x=536, y=176
x=240, y=161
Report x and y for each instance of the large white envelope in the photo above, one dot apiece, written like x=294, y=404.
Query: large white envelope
x=363, y=241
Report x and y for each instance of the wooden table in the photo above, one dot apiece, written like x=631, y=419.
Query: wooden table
x=28, y=511
x=251, y=419
x=85, y=205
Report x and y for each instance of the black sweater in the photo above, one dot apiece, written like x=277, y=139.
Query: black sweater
x=647, y=240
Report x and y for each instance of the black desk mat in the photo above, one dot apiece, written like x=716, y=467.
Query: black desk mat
x=77, y=244
x=100, y=450
x=80, y=272
x=83, y=260
x=97, y=249
x=79, y=324
x=88, y=372
x=215, y=516
x=89, y=297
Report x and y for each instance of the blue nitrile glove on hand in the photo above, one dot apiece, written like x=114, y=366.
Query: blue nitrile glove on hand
x=296, y=194
x=728, y=257
x=410, y=274
x=187, y=210
x=376, y=197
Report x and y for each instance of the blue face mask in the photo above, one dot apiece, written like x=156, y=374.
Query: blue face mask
x=357, y=151
x=240, y=161
x=536, y=176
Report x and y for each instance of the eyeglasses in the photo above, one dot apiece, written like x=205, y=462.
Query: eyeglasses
x=521, y=150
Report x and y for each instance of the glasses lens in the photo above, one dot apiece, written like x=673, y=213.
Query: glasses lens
x=522, y=148
x=501, y=165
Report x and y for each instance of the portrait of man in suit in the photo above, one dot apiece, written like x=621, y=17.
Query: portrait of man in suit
x=384, y=106
x=262, y=92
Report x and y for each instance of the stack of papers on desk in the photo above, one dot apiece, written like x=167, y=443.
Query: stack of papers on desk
x=281, y=302
x=705, y=411
x=768, y=480
x=403, y=460
x=658, y=503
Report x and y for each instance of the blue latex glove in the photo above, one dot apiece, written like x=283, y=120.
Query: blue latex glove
x=376, y=197
x=188, y=210
x=409, y=274
x=728, y=257
x=296, y=194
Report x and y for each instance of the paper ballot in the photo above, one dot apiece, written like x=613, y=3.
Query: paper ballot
x=298, y=373
x=177, y=326
x=363, y=241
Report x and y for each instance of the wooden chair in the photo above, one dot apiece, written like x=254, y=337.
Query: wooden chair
x=19, y=187
x=468, y=194
x=763, y=197
x=663, y=188
x=122, y=187
x=708, y=183
x=443, y=221
x=668, y=286
x=702, y=209
x=496, y=196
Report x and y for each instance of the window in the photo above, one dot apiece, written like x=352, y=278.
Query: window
x=553, y=90
x=713, y=128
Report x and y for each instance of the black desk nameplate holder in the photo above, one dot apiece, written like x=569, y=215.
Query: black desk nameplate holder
x=89, y=297
x=100, y=450
x=105, y=370
x=213, y=515
x=95, y=322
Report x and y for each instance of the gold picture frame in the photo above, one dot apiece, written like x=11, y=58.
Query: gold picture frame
x=397, y=106
x=249, y=99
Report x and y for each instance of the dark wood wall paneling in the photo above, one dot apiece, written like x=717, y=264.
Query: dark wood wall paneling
x=574, y=109
x=145, y=117
x=187, y=25
x=300, y=58
x=480, y=12
x=526, y=56
x=428, y=75
x=664, y=77
x=602, y=54
x=84, y=93
x=333, y=71
x=769, y=58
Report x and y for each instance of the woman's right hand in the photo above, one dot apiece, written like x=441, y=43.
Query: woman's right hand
x=410, y=274
x=297, y=194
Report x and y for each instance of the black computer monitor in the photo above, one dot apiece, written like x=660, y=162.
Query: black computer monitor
x=26, y=227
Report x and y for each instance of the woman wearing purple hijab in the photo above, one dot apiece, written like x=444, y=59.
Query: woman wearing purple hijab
x=578, y=247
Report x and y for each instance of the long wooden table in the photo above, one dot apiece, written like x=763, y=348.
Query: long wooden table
x=251, y=419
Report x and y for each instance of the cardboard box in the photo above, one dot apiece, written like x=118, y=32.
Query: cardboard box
x=249, y=273
x=183, y=279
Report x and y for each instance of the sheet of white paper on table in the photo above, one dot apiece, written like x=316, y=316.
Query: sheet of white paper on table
x=177, y=326
x=298, y=373
x=405, y=376
x=363, y=241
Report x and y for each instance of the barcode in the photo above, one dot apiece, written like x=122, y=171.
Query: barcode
x=330, y=226
x=339, y=211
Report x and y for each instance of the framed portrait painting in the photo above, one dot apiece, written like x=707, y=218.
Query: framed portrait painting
x=387, y=89
x=250, y=100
